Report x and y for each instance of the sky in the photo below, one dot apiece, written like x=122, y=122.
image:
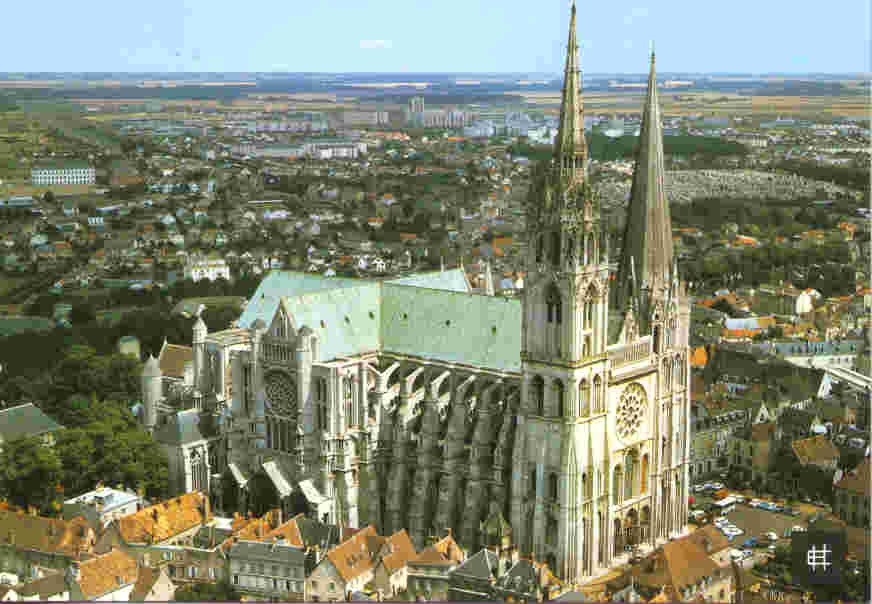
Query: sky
x=420, y=36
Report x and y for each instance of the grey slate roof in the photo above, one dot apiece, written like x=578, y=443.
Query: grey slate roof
x=480, y=566
x=572, y=596
x=520, y=578
x=25, y=421
x=270, y=552
x=312, y=532
x=181, y=428
x=208, y=537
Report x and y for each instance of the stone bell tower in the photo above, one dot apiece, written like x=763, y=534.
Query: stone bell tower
x=565, y=321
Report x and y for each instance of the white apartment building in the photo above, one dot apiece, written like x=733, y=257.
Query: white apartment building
x=206, y=268
x=64, y=172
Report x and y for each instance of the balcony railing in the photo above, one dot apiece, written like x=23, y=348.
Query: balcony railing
x=276, y=351
x=630, y=353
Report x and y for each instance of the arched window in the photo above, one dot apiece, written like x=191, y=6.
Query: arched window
x=532, y=488
x=656, y=338
x=552, y=486
x=540, y=244
x=551, y=535
x=584, y=398
x=585, y=486
x=560, y=396
x=598, y=406
x=589, y=305
x=348, y=394
x=630, y=468
x=555, y=306
x=538, y=393
x=555, y=248
x=617, y=485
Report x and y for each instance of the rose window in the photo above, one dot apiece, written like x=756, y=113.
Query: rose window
x=631, y=410
x=281, y=394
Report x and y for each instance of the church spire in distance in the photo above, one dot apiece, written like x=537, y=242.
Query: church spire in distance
x=570, y=148
x=648, y=233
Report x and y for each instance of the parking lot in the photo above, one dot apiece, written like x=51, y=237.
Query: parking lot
x=755, y=522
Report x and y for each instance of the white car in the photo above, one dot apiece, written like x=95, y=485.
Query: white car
x=798, y=529
x=771, y=535
x=717, y=485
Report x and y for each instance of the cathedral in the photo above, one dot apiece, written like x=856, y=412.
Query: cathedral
x=560, y=417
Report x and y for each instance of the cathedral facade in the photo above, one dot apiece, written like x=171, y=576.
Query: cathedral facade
x=561, y=415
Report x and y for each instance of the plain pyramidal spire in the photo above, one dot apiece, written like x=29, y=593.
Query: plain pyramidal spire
x=648, y=232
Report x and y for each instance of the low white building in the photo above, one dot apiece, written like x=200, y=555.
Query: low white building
x=63, y=172
x=206, y=268
x=102, y=505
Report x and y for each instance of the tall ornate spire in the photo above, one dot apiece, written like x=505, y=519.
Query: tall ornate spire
x=570, y=148
x=648, y=233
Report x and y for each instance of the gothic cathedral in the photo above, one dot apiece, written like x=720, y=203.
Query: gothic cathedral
x=600, y=461
x=560, y=418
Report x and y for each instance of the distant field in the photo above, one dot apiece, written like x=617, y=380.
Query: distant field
x=714, y=102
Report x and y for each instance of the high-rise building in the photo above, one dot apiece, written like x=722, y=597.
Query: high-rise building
x=416, y=104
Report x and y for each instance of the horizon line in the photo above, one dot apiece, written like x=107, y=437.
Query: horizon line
x=452, y=73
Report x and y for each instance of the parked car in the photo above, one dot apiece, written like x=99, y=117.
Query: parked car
x=771, y=535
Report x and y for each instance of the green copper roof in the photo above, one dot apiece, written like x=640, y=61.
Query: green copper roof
x=279, y=284
x=345, y=319
x=451, y=280
x=462, y=328
x=428, y=315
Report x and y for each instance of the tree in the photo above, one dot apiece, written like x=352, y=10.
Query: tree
x=30, y=473
x=83, y=313
x=209, y=592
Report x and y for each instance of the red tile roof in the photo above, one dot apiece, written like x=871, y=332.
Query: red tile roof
x=352, y=557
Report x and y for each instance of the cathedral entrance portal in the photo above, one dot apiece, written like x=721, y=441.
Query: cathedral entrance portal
x=645, y=524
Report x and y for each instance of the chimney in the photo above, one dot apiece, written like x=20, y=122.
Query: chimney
x=154, y=514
